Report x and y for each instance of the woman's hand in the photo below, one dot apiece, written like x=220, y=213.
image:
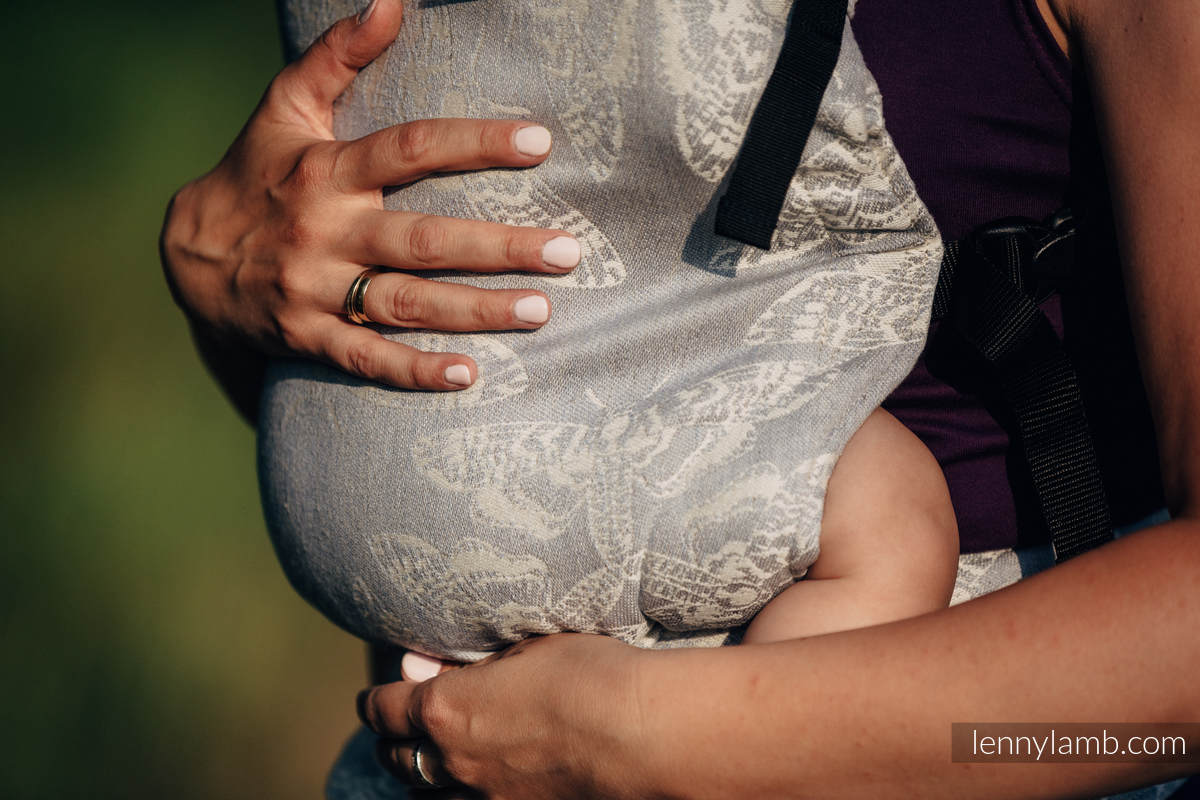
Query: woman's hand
x=866, y=713
x=575, y=730
x=260, y=252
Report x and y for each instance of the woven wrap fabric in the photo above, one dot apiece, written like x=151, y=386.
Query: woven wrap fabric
x=651, y=464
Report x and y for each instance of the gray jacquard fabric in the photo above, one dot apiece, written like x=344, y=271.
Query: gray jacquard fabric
x=652, y=463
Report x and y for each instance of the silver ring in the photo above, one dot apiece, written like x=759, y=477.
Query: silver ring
x=356, y=298
x=422, y=780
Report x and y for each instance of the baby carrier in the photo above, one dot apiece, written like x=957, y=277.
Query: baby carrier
x=652, y=466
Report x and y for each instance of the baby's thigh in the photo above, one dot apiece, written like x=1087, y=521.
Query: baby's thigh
x=888, y=515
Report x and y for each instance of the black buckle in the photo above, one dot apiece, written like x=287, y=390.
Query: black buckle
x=1039, y=257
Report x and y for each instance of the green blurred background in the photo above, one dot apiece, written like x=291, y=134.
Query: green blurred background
x=151, y=645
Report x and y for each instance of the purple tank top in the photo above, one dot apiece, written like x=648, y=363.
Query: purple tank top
x=976, y=95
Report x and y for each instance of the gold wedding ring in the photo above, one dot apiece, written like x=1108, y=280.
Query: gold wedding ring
x=357, y=296
x=421, y=777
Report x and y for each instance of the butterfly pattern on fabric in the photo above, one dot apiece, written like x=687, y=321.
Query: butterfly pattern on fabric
x=526, y=482
x=652, y=464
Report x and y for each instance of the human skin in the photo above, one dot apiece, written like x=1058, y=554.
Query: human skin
x=260, y=252
x=889, y=541
x=1107, y=637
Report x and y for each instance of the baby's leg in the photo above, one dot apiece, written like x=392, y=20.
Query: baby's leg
x=889, y=541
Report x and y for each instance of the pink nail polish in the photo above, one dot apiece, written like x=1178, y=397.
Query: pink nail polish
x=458, y=374
x=532, y=141
x=562, y=252
x=418, y=667
x=533, y=308
x=367, y=12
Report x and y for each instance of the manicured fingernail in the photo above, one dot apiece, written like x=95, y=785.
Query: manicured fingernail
x=562, y=252
x=532, y=141
x=367, y=12
x=418, y=667
x=459, y=374
x=532, y=309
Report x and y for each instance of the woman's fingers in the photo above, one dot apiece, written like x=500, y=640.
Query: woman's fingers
x=398, y=300
x=390, y=710
x=403, y=153
x=406, y=240
x=364, y=353
x=316, y=79
x=397, y=758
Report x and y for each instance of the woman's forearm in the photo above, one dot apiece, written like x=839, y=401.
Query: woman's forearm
x=1109, y=637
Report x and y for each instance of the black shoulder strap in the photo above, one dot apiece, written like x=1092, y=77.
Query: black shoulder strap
x=988, y=291
x=781, y=123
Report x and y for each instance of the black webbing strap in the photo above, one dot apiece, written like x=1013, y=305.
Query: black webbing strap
x=781, y=123
x=988, y=292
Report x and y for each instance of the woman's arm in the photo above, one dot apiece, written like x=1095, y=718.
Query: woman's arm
x=260, y=252
x=1108, y=637
x=1144, y=60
